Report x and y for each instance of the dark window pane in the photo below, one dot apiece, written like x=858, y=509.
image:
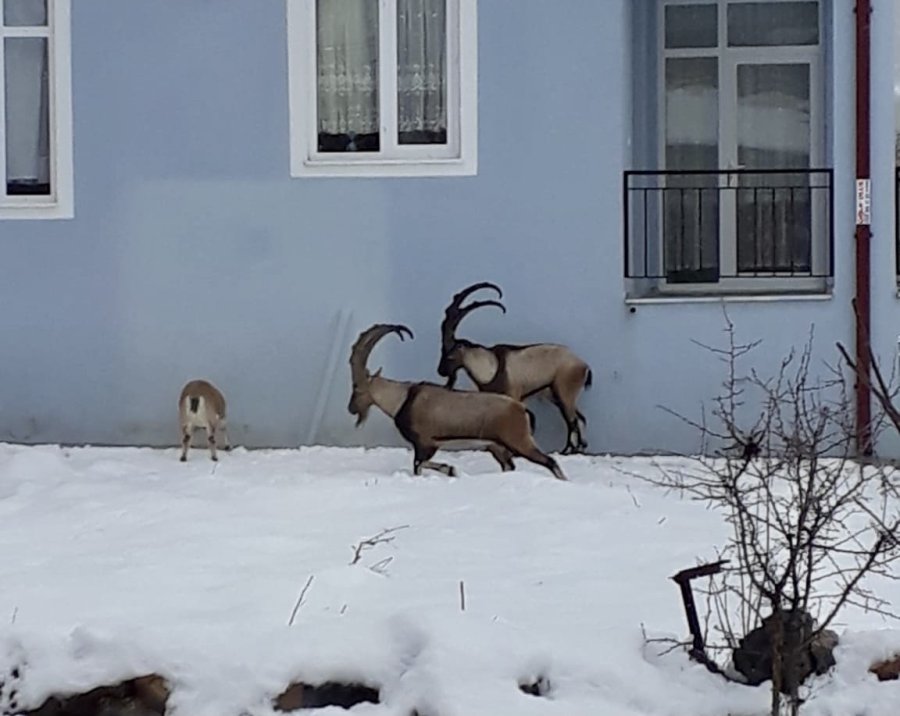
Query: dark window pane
x=27, y=109
x=774, y=224
x=761, y=24
x=691, y=26
x=24, y=13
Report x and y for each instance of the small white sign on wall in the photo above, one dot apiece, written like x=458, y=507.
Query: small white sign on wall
x=863, y=202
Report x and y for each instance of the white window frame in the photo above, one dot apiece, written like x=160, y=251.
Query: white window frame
x=60, y=203
x=728, y=60
x=457, y=158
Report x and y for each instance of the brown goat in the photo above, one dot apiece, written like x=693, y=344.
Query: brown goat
x=519, y=371
x=430, y=416
x=202, y=405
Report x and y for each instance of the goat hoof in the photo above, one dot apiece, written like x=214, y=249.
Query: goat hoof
x=214, y=459
x=451, y=472
x=183, y=458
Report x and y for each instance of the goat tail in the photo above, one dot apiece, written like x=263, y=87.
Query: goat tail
x=531, y=419
x=589, y=378
x=195, y=403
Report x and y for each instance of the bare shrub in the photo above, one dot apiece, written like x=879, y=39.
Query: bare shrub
x=809, y=524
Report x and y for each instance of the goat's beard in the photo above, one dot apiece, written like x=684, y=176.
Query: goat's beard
x=360, y=408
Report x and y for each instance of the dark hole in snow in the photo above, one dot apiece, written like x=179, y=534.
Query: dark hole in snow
x=535, y=687
x=143, y=696
x=331, y=693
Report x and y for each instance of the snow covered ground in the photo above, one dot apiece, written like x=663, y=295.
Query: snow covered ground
x=120, y=562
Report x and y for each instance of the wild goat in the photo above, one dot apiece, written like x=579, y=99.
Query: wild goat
x=515, y=370
x=430, y=416
x=201, y=405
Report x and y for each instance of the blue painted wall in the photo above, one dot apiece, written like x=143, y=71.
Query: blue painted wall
x=193, y=253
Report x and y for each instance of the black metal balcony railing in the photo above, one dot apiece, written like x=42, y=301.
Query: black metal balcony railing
x=712, y=226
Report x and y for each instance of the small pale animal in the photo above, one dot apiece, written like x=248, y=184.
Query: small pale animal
x=202, y=405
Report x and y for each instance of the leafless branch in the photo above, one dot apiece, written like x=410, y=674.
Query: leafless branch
x=300, y=600
x=369, y=542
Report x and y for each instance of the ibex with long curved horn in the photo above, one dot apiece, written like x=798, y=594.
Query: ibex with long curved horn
x=518, y=371
x=430, y=416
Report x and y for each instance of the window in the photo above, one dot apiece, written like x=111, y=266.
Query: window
x=382, y=87
x=734, y=196
x=36, y=117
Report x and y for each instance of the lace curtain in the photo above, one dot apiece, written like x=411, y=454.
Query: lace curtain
x=348, y=66
x=347, y=48
x=421, y=70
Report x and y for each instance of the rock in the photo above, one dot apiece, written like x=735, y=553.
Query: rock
x=822, y=651
x=753, y=656
x=887, y=669
x=535, y=687
x=143, y=696
x=331, y=693
x=290, y=699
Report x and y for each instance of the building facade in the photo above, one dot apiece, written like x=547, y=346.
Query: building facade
x=234, y=190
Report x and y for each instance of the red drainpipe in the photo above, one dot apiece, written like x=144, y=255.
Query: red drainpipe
x=863, y=220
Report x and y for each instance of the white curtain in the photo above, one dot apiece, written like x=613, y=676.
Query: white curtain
x=691, y=218
x=421, y=66
x=27, y=111
x=347, y=60
x=347, y=35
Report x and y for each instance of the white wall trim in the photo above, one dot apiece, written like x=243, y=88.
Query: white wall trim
x=737, y=298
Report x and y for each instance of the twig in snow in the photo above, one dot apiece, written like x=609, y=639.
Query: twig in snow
x=15, y=613
x=462, y=596
x=369, y=542
x=633, y=498
x=380, y=567
x=300, y=599
x=673, y=644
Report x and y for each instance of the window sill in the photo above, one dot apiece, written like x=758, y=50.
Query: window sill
x=36, y=211
x=728, y=298
x=385, y=168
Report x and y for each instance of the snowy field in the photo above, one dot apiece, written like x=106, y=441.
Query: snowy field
x=120, y=562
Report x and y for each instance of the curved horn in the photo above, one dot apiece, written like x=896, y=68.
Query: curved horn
x=466, y=310
x=453, y=315
x=359, y=354
x=469, y=290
